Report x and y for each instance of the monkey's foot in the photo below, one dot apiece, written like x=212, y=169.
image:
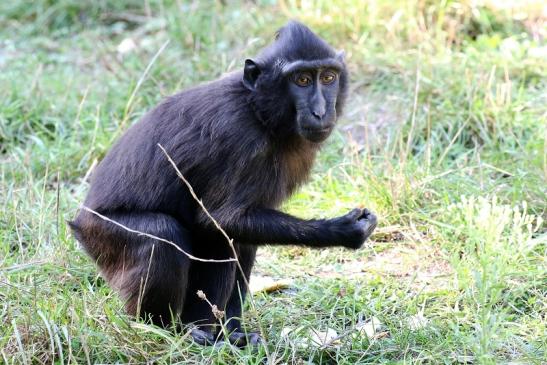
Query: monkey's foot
x=202, y=337
x=242, y=339
x=236, y=338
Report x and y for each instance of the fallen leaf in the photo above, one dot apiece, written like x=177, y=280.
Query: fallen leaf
x=266, y=284
x=321, y=339
x=302, y=338
x=417, y=322
x=370, y=328
x=465, y=359
x=126, y=46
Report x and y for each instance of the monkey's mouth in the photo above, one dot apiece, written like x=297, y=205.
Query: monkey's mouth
x=316, y=134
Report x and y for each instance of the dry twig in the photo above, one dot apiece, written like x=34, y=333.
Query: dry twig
x=228, y=239
x=190, y=256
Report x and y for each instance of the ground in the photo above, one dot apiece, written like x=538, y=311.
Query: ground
x=444, y=137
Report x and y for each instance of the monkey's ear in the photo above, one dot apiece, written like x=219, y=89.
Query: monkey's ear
x=250, y=74
x=341, y=55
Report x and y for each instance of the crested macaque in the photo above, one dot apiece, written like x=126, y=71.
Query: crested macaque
x=244, y=142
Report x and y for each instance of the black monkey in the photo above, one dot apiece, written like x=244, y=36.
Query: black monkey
x=245, y=142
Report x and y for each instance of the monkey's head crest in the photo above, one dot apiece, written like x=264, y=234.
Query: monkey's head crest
x=295, y=41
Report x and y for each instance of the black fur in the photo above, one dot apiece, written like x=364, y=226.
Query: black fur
x=237, y=141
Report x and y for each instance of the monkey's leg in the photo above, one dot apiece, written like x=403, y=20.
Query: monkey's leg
x=215, y=280
x=238, y=337
x=150, y=275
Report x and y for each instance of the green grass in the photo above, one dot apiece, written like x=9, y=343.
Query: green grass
x=444, y=137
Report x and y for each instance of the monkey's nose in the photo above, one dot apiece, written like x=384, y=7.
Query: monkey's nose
x=319, y=114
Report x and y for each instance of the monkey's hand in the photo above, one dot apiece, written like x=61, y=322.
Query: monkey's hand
x=354, y=228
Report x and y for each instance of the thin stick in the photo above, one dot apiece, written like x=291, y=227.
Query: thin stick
x=447, y=149
x=139, y=83
x=414, y=108
x=57, y=204
x=192, y=257
x=230, y=241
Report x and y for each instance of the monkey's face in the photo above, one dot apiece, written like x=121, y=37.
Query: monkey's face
x=314, y=93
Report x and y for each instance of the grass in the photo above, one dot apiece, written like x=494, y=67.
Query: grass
x=444, y=137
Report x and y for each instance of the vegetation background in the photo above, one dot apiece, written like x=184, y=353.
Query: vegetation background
x=444, y=138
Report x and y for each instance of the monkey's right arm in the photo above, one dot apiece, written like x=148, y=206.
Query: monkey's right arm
x=268, y=226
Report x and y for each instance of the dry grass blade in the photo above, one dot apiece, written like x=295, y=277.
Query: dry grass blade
x=129, y=104
x=217, y=225
x=228, y=239
x=192, y=257
x=179, y=174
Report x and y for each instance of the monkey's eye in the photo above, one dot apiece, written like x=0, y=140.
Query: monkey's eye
x=328, y=77
x=302, y=79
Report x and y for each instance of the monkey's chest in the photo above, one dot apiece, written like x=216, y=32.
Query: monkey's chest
x=289, y=171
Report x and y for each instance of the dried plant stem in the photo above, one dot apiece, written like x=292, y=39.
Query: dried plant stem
x=216, y=312
x=192, y=257
x=217, y=225
x=129, y=104
x=228, y=239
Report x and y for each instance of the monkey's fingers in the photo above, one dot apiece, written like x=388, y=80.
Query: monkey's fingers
x=368, y=222
x=365, y=214
x=354, y=214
